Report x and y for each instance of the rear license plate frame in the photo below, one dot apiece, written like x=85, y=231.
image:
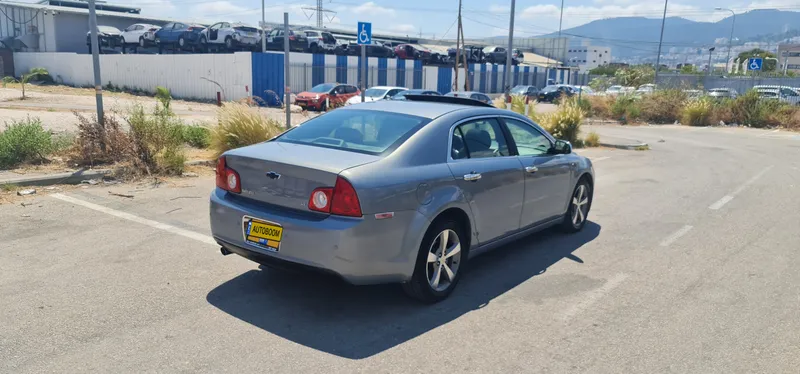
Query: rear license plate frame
x=257, y=241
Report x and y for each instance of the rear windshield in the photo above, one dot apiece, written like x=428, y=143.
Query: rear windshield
x=365, y=131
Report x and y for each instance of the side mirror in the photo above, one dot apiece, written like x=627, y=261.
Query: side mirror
x=562, y=147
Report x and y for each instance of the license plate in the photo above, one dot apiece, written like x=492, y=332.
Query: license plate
x=262, y=234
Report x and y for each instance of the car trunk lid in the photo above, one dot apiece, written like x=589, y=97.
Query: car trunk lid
x=285, y=174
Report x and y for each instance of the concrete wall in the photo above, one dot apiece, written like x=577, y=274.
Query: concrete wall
x=186, y=76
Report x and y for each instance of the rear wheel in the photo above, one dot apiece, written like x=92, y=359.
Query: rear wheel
x=181, y=42
x=579, y=205
x=439, y=263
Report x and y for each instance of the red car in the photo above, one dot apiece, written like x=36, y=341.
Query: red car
x=326, y=95
x=412, y=51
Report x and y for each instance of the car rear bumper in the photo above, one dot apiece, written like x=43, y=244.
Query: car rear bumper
x=359, y=250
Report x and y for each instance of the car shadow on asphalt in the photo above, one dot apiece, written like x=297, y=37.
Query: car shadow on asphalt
x=326, y=314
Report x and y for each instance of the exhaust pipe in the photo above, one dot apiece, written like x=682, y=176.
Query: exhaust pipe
x=224, y=251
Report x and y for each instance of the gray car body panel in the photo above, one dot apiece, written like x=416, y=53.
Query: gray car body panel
x=416, y=183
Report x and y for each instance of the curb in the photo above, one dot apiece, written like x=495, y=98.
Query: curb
x=631, y=147
x=60, y=178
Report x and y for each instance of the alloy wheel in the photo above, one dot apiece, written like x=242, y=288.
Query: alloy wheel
x=580, y=205
x=444, y=259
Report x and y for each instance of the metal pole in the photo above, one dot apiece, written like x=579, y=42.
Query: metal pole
x=263, y=28
x=660, y=40
x=730, y=40
x=286, y=70
x=363, y=72
x=319, y=13
x=507, y=79
x=98, y=85
x=708, y=72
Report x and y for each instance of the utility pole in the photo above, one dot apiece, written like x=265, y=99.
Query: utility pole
x=319, y=10
x=98, y=84
x=458, y=47
x=286, y=70
x=263, y=28
x=507, y=79
x=464, y=56
x=319, y=13
x=660, y=41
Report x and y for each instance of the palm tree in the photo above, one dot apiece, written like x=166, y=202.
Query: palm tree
x=25, y=78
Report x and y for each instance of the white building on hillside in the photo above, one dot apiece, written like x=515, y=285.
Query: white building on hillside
x=586, y=56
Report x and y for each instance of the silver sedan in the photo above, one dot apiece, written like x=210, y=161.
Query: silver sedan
x=398, y=192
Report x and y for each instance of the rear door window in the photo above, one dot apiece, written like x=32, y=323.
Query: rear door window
x=481, y=138
x=364, y=131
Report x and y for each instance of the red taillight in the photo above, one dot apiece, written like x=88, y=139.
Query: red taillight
x=341, y=200
x=227, y=178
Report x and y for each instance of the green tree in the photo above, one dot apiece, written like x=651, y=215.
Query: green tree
x=769, y=63
x=606, y=70
x=25, y=78
x=635, y=76
x=689, y=69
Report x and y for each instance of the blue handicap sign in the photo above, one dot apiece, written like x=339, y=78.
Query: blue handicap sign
x=755, y=63
x=364, y=33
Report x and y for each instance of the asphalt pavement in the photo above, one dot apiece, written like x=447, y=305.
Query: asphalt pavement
x=688, y=265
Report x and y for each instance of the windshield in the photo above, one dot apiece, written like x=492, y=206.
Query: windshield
x=519, y=89
x=375, y=92
x=325, y=87
x=364, y=131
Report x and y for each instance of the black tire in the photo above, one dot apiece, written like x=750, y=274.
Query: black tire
x=229, y=43
x=181, y=42
x=419, y=287
x=142, y=43
x=569, y=224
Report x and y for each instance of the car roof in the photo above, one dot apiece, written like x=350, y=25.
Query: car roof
x=387, y=87
x=465, y=92
x=417, y=108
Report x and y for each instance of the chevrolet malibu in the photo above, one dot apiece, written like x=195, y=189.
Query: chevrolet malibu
x=398, y=191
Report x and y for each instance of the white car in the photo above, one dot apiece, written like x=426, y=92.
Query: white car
x=787, y=94
x=376, y=93
x=141, y=34
x=231, y=35
x=320, y=41
x=584, y=90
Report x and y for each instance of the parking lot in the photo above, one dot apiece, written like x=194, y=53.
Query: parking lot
x=688, y=264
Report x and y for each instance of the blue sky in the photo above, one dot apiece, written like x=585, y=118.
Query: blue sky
x=435, y=17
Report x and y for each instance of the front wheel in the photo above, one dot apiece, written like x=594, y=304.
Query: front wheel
x=181, y=42
x=579, y=205
x=229, y=42
x=440, y=262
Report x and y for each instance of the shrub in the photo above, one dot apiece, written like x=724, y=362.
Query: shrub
x=164, y=97
x=156, y=139
x=565, y=123
x=601, y=106
x=625, y=108
x=785, y=116
x=100, y=143
x=197, y=136
x=592, y=140
x=722, y=111
x=748, y=109
x=239, y=125
x=662, y=106
x=697, y=113
x=24, y=141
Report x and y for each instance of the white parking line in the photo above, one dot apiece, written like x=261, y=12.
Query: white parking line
x=676, y=235
x=144, y=221
x=727, y=198
x=593, y=296
x=599, y=158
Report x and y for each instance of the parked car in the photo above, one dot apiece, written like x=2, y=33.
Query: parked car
x=482, y=97
x=722, y=93
x=646, y=89
x=231, y=35
x=107, y=36
x=412, y=51
x=551, y=93
x=498, y=55
x=364, y=193
x=783, y=93
x=583, y=90
x=140, y=34
x=297, y=40
x=180, y=34
x=527, y=91
x=474, y=54
x=402, y=94
x=376, y=93
x=320, y=41
x=326, y=95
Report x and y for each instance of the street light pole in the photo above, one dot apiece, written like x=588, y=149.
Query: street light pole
x=98, y=85
x=508, y=51
x=730, y=40
x=660, y=41
x=710, y=50
x=263, y=28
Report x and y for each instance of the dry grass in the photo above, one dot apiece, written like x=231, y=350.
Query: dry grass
x=592, y=140
x=239, y=125
x=565, y=123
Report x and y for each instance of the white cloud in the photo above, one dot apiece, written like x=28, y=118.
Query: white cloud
x=371, y=9
x=216, y=8
x=402, y=27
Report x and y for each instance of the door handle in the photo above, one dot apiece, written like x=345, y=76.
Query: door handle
x=531, y=169
x=472, y=177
